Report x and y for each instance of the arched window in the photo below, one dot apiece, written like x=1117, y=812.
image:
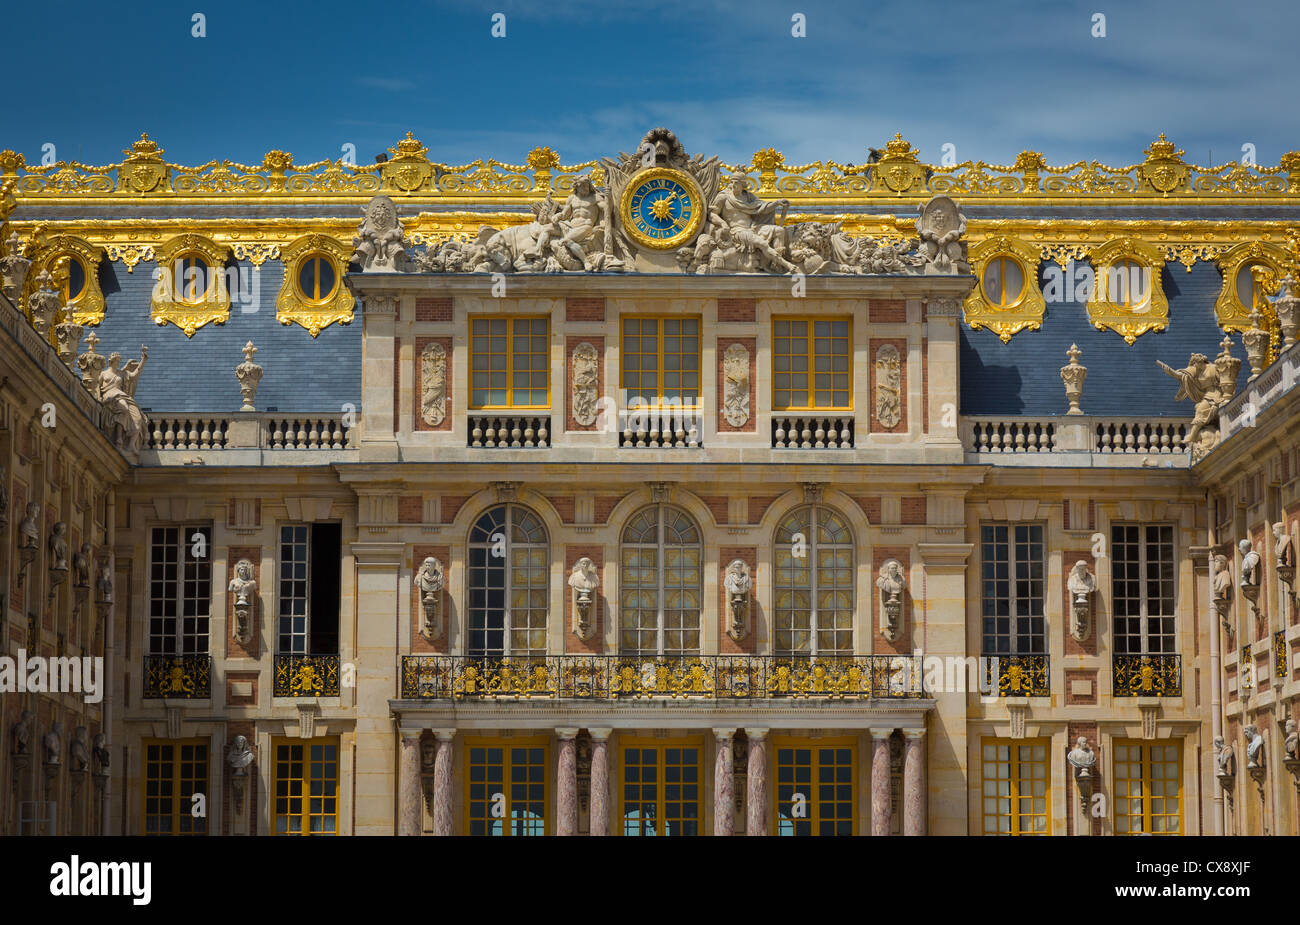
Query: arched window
x=1003, y=281
x=661, y=583
x=813, y=584
x=508, y=583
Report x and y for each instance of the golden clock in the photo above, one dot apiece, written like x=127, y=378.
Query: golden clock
x=662, y=208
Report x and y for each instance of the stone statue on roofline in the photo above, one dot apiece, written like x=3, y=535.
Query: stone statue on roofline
x=116, y=391
x=380, y=243
x=1209, y=386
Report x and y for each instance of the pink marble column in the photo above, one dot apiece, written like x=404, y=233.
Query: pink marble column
x=409, y=817
x=880, y=781
x=724, y=792
x=914, y=814
x=756, y=782
x=566, y=778
x=599, y=815
x=442, y=785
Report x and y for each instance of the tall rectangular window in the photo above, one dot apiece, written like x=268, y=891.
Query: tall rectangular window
x=811, y=365
x=1016, y=797
x=510, y=362
x=505, y=786
x=174, y=770
x=660, y=789
x=815, y=789
x=1012, y=589
x=1142, y=588
x=1148, y=788
x=310, y=556
x=661, y=360
x=307, y=786
x=180, y=590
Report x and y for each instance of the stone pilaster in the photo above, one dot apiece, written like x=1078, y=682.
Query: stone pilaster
x=880, y=781
x=599, y=812
x=756, y=782
x=566, y=778
x=913, y=782
x=724, y=797
x=442, y=783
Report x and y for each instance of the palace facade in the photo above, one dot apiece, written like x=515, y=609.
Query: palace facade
x=649, y=496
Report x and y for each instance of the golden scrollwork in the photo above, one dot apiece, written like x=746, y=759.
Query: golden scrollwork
x=292, y=306
x=176, y=299
x=1002, y=314
x=1127, y=294
x=1272, y=261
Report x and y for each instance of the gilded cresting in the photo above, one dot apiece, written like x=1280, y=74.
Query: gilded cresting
x=492, y=192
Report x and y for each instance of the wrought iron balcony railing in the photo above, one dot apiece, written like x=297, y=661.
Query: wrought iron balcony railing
x=306, y=676
x=1017, y=675
x=180, y=677
x=1148, y=675
x=707, y=677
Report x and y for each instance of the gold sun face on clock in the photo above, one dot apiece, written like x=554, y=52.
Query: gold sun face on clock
x=662, y=208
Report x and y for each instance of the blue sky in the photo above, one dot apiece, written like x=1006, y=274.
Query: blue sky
x=991, y=77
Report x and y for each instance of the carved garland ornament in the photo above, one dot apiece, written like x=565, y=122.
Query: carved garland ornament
x=585, y=379
x=889, y=386
x=290, y=305
x=169, y=305
x=433, y=383
x=735, y=399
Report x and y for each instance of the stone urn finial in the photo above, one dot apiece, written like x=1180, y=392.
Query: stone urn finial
x=1287, y=306
x=1073, y=376
x=249, y=375
x=1256, y=340
x=43, y=304
x=13, y=270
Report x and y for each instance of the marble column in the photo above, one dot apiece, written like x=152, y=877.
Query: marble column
x=724, y=795
x=880, y=781
x=410, y=816
x=599, y=814
x=914, y=814
x=756, y=782
x=566, y=777
x=442, y=785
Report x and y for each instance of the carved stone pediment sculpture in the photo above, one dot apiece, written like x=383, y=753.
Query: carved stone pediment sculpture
x=380, y=242
x=735, y=392
x=893, y=586
x=941, y=226
x=739, y=585
x=243, y=587
x=1081, y=585
x=583, y=581
x=431, y=580
x=585, y=383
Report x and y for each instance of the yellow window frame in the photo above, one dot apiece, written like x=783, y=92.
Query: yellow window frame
x=811, y=356
x=1015, y=778
x=181, y=804
x=313, y=262
x=1124, y=784
x=305, y=781
x=508, y=766
x=661, y=746
x=659, y=354
x=1001, y=302
x=815, y=785
x=510, y=362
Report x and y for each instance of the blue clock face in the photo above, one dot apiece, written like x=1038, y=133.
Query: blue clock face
x=661, y=209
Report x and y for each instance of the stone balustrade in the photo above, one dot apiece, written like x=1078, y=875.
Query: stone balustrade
x=1078, y=440
x=245, y=431
x=1277, y=380
x=812, y=432
x=509, y=431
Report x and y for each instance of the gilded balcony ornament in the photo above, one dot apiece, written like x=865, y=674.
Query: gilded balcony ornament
x=144, y=170
x=11, y=162
x=1020, y=675
x=314, y=311
x=408, y=170
x=1148, y=676
x=766, y=161
x=305, y=676
x=175, y=299
x=542, y=161
x=1030, y=163
x=1005, y=316
x=184, y=677
x=1128, y=294
x=275, y=163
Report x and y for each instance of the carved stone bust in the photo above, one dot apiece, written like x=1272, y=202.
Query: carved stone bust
x=1225, y=759
x=1081, y=585
x=1249, y=565
x=81, y=566
x=79, y=749
x=53, y=744
x=431, y=580
x=583, y=580
x=738, y=583
x=100, y=752
x=1082, y=758
x=244, y=588
x=20, y=735
x=893, y=585
x=30, y=528
x=1254, y=747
